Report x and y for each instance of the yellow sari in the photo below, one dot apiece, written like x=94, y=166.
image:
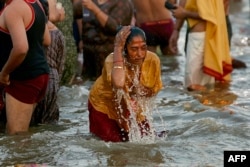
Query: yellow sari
x=103, y=98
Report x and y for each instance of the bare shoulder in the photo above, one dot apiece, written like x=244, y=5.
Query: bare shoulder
x=18, y=9
x=17, y=6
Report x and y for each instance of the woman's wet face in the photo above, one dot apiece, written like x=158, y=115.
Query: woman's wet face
x=136, y=50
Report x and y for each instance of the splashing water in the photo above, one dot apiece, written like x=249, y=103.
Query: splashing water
x=140, y=108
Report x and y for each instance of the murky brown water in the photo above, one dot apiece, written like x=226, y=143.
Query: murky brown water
x=198, y=133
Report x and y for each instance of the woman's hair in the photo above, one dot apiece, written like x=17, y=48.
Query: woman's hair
x=134, y=31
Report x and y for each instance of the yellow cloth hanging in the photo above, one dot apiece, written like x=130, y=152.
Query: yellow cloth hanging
x=217, y=58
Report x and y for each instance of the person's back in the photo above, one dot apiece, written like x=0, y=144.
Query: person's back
x=157, y=22
x=151, y=10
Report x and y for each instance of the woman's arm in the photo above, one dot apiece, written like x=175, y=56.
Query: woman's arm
x=46, y=36
x=118, y=71
x=100, y=15
x=121, y=14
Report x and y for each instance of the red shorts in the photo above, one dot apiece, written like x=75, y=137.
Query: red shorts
x=28, y=91
x=158, y=32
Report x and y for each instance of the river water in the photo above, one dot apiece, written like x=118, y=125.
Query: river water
x=201, y=125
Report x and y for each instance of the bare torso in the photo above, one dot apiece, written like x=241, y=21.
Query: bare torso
x=200, y=26
x=150, y=10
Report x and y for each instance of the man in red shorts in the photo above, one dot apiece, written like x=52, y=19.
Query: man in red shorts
x=23, y=66
x=156, y=21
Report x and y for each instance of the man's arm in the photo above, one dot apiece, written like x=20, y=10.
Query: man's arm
x=15, y=24
x=173, y=41
x=181, y=13
x=179, y=21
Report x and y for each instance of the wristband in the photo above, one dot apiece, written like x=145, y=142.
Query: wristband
x=117, y=67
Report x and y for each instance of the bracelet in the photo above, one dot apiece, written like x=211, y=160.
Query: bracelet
x=118, y=67
x=117, y=61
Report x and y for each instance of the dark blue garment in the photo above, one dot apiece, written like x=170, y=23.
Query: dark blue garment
x=35, y=62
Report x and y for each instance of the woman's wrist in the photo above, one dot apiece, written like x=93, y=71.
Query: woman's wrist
x=118, y=63
x=118, y=54
x=118, y=50
x=117, y=46
x=99, y=11
x=118, y=60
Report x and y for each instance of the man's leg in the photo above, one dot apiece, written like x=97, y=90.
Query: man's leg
x=18, y=115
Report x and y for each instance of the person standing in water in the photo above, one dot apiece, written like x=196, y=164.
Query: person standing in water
x=207, y=53
x=130, y=73
x=235, y=62
x=24, y=71
x=157, y=22
x=47, y=110
x=97, y=29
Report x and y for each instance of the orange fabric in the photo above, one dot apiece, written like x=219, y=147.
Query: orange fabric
x=217, y=58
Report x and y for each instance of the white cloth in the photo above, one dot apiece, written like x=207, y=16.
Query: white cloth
x=194, y=74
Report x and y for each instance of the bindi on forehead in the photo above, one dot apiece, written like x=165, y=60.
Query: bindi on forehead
x=138, y=42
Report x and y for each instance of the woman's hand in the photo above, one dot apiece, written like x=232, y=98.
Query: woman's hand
x=89, y=4
x=141, y=91
x=121, y=36
x=61, y=11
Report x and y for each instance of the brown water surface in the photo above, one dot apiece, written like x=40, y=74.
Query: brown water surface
x=201, y=125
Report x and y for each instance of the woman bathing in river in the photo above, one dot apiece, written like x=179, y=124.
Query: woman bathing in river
x=129, y=74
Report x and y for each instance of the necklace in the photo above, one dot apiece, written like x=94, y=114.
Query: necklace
x=132, y=66
x=132, y=76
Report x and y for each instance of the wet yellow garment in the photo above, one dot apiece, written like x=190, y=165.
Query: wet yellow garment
x=102, y=96
x=217, y=58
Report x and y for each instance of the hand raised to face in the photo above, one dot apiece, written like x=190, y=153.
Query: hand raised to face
x=121, y=36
